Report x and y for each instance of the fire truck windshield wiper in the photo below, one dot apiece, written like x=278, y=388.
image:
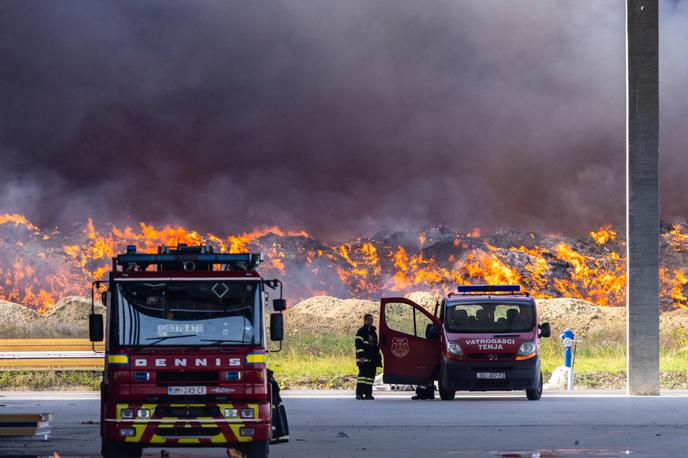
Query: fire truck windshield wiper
x=160, y=339
x=221, y=341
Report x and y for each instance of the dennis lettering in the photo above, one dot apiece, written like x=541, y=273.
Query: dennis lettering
x=186, y=362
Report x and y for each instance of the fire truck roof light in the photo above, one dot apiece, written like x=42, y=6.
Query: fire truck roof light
x=241, y=261
x=221, y=258
x=489, y=288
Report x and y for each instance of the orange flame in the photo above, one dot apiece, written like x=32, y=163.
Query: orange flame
x=37, y=270
x=603, y=235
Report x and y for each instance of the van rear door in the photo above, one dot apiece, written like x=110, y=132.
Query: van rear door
x=410, y=354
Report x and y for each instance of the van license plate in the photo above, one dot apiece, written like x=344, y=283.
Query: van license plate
x=185, y=390
x=491, y=375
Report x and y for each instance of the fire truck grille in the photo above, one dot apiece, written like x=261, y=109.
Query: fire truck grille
x=187, y=378
x=187, y=411
x=178, y=431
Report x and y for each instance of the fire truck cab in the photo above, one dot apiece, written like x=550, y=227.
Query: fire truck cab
x=485, y=338
x=185, y=351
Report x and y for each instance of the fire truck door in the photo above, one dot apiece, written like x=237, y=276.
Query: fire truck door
x=410, y=355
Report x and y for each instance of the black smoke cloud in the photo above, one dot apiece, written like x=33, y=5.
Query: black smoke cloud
x=340, y=118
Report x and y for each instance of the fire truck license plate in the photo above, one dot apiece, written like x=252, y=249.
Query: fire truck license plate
x=491, y=375
x=185, y=390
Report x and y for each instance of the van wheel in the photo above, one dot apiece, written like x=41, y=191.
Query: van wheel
x=536, y=394
x=446, y=395
x=257, y=449
x=115, y=449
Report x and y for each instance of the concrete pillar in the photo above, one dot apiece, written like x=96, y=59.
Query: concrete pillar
x=642, y=211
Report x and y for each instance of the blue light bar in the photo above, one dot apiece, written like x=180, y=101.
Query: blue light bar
x=489, y=288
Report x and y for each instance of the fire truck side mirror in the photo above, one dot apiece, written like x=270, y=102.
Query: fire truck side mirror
x=279, y=305
x=276, y=327
x=95, y=327
x=545, y=330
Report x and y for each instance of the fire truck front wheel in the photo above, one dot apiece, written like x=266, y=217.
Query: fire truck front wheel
x=257, y=449
x=114, y=449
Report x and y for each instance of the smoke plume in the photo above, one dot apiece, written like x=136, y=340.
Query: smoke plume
x=340, y=118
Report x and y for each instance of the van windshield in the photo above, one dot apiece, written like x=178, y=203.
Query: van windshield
x=487, y=317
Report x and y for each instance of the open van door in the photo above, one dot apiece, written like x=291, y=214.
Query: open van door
x=410, y=340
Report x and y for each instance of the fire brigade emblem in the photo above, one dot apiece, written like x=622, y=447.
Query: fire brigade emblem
x=400, y=347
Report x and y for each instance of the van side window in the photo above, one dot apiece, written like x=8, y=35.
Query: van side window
x=406, y=319
x=399, y=317
x=422, y=323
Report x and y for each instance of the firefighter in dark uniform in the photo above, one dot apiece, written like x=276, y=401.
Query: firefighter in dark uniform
x=280, y=426
x=367, y=358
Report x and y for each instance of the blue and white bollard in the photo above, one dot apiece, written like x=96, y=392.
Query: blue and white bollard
x=568, y=338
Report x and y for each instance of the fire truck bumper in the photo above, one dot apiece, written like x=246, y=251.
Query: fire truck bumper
x=490, y=376
x=189, y=432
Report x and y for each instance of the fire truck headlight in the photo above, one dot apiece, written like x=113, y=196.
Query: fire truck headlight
x=127, y=414
x=526, y=348
x=233, y=376
x=454, y=348
x=143, y=413
x=246, y=413
x=142, y=376
x=231, y=413
x=127, y=432
x=247, y=431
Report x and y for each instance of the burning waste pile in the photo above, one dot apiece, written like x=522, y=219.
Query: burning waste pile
x=38, y=267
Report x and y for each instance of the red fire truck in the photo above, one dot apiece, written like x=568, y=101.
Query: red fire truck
x=185, y=358
x=485, y=338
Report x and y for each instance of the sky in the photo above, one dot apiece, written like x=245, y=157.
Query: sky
x=338, y=118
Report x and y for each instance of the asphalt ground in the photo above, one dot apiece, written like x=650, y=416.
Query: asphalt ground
x=333, y=424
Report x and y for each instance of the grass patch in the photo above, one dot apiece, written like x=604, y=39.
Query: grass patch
x=50, y=380
x=327, y=362
x=315, y=362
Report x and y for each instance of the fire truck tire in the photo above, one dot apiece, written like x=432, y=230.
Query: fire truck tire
x=257, y=449
x=134, y=452
x=446, y=395
x=114, y=449
x=536, y=394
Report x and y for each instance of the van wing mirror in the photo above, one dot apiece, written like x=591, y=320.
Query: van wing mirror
x=276, y=327
x=545, y=330
x=95, y=327
x=431, y=331
x=279, y=305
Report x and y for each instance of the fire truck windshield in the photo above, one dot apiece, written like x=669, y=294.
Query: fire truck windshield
x=487, y=317
x=187, y=313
